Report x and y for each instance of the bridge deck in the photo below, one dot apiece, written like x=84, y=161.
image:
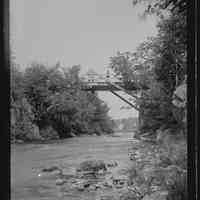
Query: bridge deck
x=101, y=86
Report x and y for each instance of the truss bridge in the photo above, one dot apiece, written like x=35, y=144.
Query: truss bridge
x=95, y=82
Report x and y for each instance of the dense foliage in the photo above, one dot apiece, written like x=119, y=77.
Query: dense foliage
x=56, y=103
x=160, y=63
x=159, y=6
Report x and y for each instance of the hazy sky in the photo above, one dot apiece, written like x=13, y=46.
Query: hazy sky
x=85, y=32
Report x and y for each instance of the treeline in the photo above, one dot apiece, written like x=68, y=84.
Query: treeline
x=47, y=102
x=160, y=63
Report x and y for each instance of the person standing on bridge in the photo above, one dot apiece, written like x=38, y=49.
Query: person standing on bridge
x=108, y=75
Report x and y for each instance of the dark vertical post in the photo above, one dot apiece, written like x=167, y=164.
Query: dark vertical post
x=192, y=132
x=5, y=100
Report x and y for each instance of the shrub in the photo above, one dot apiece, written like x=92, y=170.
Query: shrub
x=174, y=150
x=178, y=190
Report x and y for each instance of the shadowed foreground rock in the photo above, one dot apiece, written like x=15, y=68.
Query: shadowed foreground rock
x=93, y=166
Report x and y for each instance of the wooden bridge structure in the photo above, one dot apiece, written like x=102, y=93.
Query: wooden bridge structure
x=95, y=82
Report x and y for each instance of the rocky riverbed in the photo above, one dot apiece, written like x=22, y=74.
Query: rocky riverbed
x=99, y=168
x=29, y=180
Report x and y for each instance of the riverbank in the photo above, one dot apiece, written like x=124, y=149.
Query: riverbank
x=51, y=141
x=142, y=168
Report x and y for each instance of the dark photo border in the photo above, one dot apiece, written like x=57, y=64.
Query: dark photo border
x=5, y=101
x=192, y=101
x=191, y=86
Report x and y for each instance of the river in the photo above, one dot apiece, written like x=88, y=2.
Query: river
x=27, y=160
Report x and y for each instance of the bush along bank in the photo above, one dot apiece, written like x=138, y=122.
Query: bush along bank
x=160, y=62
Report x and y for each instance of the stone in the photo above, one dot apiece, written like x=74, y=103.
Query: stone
x=68, y=173
x=98, y=186
x=132, y=156
x=80, y=188
x=180, y=104
x=159, y=195
x=86, y=184
x=112, y=164
x=51, y=169
x=180, y=96
x=79, y=185
x=87, y=175
x=155, y=188
x=92, y=187
x=60, y=182
x=73, y=181
x=108, y=183
x=119, y=180
x=101, y=172
x=71, y=134
x=138, y=154
x=92, y=165
x=118, y=186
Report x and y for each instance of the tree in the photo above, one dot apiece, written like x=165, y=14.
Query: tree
x=58, y=101
x=159, y=6
x=36, y=91
x=16, y=83
x=22, y=117
x=160, y=63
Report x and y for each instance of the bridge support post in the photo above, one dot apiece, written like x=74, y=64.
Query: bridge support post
x=140, y=119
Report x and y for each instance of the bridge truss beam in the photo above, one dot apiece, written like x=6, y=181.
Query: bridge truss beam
x=108, y=85
x=123, y=99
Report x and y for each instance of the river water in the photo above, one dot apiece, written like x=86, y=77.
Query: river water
x=27, y=160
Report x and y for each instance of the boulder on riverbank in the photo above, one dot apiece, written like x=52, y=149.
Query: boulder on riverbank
x=92, y=165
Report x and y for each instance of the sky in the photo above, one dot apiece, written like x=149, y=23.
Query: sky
x=81, y=32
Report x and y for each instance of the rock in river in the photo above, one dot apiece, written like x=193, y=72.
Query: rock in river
x=51, y=169
x=92, y=165
x=60, y=181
